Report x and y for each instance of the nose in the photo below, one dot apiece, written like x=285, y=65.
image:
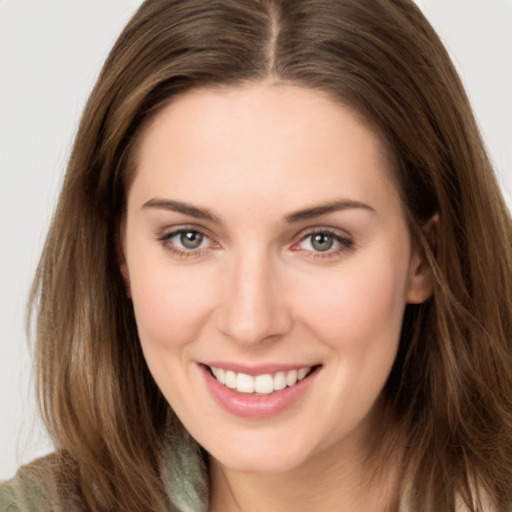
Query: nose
x=253, y=308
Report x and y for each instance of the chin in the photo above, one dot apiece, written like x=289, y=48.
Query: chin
x=261, y=457
x=260, y=465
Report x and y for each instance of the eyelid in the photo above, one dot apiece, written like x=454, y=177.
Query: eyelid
x=342, y=237
x=164, y=237
x=336, y=232
x=170, y=231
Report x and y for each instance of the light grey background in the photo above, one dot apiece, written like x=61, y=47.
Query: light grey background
x=50, y=55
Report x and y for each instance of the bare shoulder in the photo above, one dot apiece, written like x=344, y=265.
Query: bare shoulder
x=41, y=486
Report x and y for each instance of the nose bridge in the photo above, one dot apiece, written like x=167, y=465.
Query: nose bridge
x=252, y=308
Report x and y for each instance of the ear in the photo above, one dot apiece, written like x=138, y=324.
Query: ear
x=421, y=284
x=123, y=267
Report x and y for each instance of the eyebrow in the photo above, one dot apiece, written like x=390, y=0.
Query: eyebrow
x=298, y=216
x=180, y=207
x=324, y=209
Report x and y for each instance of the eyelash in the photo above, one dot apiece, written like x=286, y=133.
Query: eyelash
x=166, y=240
x=343, y=242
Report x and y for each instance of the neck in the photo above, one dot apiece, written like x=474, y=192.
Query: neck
x=336, y=479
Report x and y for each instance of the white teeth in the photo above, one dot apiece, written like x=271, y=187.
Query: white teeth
x=221, y=375
x=264, y=384
x=291, y=378
x=230, y=379
x=279, y=381
x=302, y=373
x=261, y=384
x=244, y=383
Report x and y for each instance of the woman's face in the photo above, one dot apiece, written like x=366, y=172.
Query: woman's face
x=265, y=242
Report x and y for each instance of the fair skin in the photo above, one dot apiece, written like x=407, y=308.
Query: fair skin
x=264, y=236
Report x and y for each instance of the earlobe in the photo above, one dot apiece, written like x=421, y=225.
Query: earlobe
x=421, y=283
x=124, y=272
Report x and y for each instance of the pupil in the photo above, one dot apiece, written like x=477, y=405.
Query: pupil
x=322, y=242
x=191, y=239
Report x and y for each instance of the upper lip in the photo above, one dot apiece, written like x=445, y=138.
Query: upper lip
x=255, y=370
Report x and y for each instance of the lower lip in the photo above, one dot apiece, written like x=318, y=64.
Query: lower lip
x=247, y=405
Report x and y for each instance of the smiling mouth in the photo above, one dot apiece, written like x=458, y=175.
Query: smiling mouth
x=264, y=384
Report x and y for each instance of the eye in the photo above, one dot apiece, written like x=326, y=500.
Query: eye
x=321, y=241
x=185, y=241
x=189, y=239
x=324, y=242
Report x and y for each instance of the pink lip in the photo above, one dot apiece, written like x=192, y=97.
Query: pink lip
x=247, y=405
x=256, y=370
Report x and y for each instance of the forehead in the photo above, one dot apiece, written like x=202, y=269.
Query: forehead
x=267, y=139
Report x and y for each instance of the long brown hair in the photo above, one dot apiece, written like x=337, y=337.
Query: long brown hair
x=451, y=386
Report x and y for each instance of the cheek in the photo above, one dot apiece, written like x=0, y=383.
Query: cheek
x=358, y=305
x=171, y=303
x=358, y=314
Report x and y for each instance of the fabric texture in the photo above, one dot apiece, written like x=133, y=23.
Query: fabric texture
x=37, y=487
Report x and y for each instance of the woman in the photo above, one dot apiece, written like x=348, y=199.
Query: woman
x=278, y=275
